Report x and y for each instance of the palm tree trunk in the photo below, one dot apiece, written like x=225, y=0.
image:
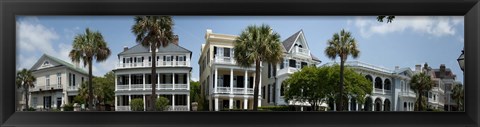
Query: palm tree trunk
x=420, y=108
x=257, y=85
x=153, y=79
x=26, y=98
x=274, y=83
x=90, y=88
x=340, y=106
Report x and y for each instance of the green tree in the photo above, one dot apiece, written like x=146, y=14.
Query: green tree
x=25, y=80
x=389, y=18
x=342, y=44
x=88, y=47
x=459, y=96
x=254, y=45
x=162, y=104
x=137, y=104
x=307, y=86
x=421, y=83
x=104, y=89
x=197, y=96
x=153, y=32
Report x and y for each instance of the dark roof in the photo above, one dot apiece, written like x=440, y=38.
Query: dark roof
x=68, y=65
x=315, y=58
x=169, y=48
x=287, y=43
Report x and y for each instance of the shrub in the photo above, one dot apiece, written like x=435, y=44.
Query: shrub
x=68, y=107
x=137, y=104
x=31, y=109
x=274, y=108
x=161, y=104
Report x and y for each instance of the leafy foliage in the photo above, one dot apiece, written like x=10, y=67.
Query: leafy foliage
x=88, y=47
x=104, y=89
x=389, y=18
x=162, y=103
x=25, y=80
x=68, y=107
x=254, y=45
x=459, y=96
x=321, y=83
x=153, y=32
x=197, y=96
x=421, y=83
x=137, y=104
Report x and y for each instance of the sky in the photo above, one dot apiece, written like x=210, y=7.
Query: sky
x=405, y=42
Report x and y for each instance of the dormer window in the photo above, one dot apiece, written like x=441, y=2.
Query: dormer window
x=46, y=63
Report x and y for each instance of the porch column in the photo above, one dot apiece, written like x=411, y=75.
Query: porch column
x=231, y=81
x=216, y=82
x=245, y=103
x=158, y=81
x=173, y=102
x=373, y=107
x=116, y=103
x=363, y=106
x=130, y=102
x=143, y=81
x=188, y=102
x=188, y=81
x=116, y=83
x=210, y=105
x=173, y=81
x=129, y=81
x=349, y=104
x=383, y=88
x=230, y=104
x=245, y=82
x=144, y=103
x=260, y=90
x=334, y=106
x=216, y=104
x=373, y=84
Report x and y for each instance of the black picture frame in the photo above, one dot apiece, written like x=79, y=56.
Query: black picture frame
x=11, y=8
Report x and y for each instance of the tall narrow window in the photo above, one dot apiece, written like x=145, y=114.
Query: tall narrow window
x=47, y=80
x=226, y=52
x=73, y=77
x=59, y=80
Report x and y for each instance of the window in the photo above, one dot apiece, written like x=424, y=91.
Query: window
x=59, y=80
x=47, y=81
x=83, y=79
x=180, y=99
x=73, y=79
x=46, y=63
x=263, y=92
x=282, y=90
x=269, y=70
x=69, y=79
x=226, y=52
x=292, y=63
x=34, y=102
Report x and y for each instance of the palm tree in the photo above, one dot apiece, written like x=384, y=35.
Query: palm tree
x=458, y=95
x=254, y=45
x=421, y=83
x=25, y=80
x=153, y=32
x=342, y=45
x=88, y=47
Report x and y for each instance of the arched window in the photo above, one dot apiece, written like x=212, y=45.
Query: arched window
x=378, y=83
x=387, y=84
x=368, y=104
x=369, y=78
x=378, y=104
x=404, y=106
x=353, y=104
x=386, y=105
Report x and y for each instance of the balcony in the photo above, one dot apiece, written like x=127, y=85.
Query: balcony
x=224, y=60
x=287, y=70
x=227, y=90
x=169, y=108
x=158, y=64
x=302, y=51
x=49, y=87
x=149, y=87
x=407, y=94
x=72, y=88
x=123, y=108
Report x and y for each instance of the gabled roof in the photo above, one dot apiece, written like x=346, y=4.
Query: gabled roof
x=171, y=48
x=288, y=43
x=401, y=70
x=59, y=61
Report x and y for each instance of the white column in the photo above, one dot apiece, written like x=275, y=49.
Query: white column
x=130, y=102
x=143, y=81
x=260, y=89
x=363, y=106
x=349, y=104
x=230, y=104
x=116, y=83
x=373, y=84
x=144, y=103
x=158, y=81
x=245, y=103
x=383, y=87
x=231, y=81
x=245, y=82
x=216, y=82
x=173, y=81
x=173, y=102
x=188, y=102
x=216, y=104
x=188, y=81
x=334, y=106
x=129, y=81
x=210, y=105
x=373, y=107
x=116, y=103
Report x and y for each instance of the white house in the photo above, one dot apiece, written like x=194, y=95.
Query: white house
x=133, y=74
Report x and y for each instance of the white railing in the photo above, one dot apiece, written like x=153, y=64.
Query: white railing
x=122, y=87
x=407, y=94
x=149, y=64
x=288, y=70
x=360, y=64
x=249, y=90
x=54, y=86
x=166, y=86
x=177, y=108
x=302, y=51
x=238, y=90
x=137, y=86
x=123, y=108
x=235, y=90
x=377, y=90
x=72, y=88
x=181, y=86
x=224, y=60
x=223, y=89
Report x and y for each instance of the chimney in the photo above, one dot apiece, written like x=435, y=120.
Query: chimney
x=125, y=48
x=175, y=39
x=209, y=31
x=418, y=68
x=397, y=67
x=443, y=71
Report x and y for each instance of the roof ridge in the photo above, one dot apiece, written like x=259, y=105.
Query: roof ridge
x=65, y=63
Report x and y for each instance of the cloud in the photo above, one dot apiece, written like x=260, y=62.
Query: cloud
x=25, y=61
x=32, y=36
x=194, y=79
x=436, y=26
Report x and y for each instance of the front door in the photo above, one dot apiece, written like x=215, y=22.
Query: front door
x=59, y=102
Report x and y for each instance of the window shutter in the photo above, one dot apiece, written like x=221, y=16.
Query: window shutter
x=143, y=58
x=176, y=58
x=149, y=59
x=185, y=80
x=171, y=58
x=164, y=58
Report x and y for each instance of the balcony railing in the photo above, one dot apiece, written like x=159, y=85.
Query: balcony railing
x=224, y=60
x=158, y=64
x=177, y=108
x=365, y=65
x=302, y=51
x=288, y=70
x=72, y=88
x=123, y=108
x=235, y=90
x=149, y=87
